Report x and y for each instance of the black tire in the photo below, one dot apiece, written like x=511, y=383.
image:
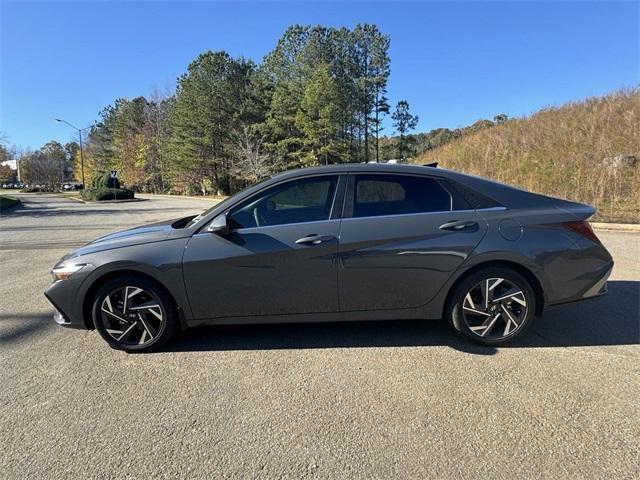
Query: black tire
x=517, y=316
x=153, y=301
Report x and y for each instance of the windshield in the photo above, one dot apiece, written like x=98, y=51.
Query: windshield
x=230, y=199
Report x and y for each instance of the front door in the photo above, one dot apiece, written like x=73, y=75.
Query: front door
x=278, y=259
x=400, y=241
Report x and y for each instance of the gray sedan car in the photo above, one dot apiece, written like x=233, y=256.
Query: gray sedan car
x=340, y=243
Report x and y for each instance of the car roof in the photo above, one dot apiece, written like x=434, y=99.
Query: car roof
x=360, y=168
x=390, y=168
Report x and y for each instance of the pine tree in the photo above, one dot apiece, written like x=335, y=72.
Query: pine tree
x=404, y=122
x=284, y=136
x=359, y=65
x=210, y=100
x=372, y=76
x=319, y=120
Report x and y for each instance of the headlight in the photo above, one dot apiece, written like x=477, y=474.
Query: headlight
x=65, y=271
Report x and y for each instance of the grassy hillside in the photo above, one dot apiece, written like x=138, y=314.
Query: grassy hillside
x=561, y=152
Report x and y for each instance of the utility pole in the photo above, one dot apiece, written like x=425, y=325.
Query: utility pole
x=80, y=137
x=81, y=157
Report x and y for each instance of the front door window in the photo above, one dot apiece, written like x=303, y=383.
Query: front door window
x=298, y=201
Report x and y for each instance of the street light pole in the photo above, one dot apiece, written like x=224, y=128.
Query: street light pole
x=80, y=137
x=81, y=157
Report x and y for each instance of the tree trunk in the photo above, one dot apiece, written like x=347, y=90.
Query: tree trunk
x=377, y=110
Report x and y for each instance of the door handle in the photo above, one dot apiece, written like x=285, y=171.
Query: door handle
x=458, y=225
x=313, y=239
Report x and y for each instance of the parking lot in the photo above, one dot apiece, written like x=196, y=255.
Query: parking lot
x=365, y=400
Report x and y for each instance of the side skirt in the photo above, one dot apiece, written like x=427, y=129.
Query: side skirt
x=404, y=314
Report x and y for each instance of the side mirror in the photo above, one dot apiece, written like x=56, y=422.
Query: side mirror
x=219, y=225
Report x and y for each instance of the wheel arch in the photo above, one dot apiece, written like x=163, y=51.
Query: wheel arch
x=87, y=301
x=533, y=280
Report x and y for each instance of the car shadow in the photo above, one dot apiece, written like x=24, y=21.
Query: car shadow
x=396, y=333
x=613, y=319
x=20, y=327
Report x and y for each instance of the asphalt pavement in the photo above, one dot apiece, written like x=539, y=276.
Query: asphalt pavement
x=358, y=400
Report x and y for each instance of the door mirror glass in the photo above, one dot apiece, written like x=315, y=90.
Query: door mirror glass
x=219, y=225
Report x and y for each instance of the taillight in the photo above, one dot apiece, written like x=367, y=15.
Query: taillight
x=583, y=228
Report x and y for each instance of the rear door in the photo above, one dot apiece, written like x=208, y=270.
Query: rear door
x=401, y=238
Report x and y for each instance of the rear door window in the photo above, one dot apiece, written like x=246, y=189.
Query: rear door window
x=380, y=195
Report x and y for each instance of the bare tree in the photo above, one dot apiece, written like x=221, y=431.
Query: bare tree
x=252, y=162
x=40, y=169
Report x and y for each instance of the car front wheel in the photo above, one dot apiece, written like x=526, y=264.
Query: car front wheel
x=492, y=306
x=134, y=314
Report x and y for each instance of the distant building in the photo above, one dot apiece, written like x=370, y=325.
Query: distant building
x=13, y=164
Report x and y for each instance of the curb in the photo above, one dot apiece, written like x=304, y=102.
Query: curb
x=616, y=227
x=75, y=199
x=90, y=202
x=100, y=202
x=208, y=199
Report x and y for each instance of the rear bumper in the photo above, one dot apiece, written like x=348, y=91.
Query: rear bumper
x=596, y=287
x=600, y=287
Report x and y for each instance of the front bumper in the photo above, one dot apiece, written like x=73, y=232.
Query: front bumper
x=59, y=317
x=67, y=296
x=65, y=316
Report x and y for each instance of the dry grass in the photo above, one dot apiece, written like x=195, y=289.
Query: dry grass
x=560, y=152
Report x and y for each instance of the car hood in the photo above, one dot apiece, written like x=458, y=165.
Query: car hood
x=134, y=236
x=154, y=232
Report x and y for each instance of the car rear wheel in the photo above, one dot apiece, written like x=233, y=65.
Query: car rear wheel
x=134, y=314
x=492, y=306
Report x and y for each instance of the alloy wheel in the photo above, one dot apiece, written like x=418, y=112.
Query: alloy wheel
x=494, y=308
x=132, y=315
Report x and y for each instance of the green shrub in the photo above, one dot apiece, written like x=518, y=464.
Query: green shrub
x=100, y=194
x=6, y=202
x=104, y=180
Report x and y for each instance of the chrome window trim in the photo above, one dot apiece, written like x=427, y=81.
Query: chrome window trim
x=248, y=229
x=498, y=208
x=287, y=224
x=452, y=212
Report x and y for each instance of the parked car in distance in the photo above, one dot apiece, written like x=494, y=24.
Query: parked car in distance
x=340, y=243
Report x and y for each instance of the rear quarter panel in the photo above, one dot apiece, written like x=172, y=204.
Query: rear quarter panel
x=564, y=262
